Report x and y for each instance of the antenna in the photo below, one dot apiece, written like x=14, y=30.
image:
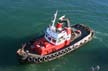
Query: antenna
x=55, y=16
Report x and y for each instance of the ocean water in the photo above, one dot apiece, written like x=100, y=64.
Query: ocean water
x=22, y=20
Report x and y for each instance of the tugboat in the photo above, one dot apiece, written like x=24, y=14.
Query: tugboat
x=59, y=39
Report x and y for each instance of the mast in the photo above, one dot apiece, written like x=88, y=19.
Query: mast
x=55, y=16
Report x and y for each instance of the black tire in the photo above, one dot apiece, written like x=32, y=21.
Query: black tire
x=35, y=60
x=44, y=58
x=63, y=52
x=57, y=54
x=49, y=57
x=39, y=60
x=66, y=50
x=52, y=56
x=30, y=59
x=69, y=49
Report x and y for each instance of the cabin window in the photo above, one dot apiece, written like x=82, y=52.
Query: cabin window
x=61, y=39
x=53, y=40
x=46, y=35
x=49, y=38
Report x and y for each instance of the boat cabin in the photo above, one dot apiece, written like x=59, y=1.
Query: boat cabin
x=55, y=35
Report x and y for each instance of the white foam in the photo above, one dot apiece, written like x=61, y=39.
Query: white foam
x=98, y=38
x=97, y=68
x=101, y=33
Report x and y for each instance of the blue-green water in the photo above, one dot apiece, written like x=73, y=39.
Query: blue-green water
x=22, y=20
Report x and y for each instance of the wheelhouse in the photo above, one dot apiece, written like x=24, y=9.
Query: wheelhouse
x=55, y=37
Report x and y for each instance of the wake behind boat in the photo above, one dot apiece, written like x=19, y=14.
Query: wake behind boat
x=59, y=39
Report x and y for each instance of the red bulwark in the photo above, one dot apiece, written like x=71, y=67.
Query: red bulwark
x=43, y=47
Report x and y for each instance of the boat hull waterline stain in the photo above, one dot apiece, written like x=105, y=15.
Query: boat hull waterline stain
x=58, y=40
